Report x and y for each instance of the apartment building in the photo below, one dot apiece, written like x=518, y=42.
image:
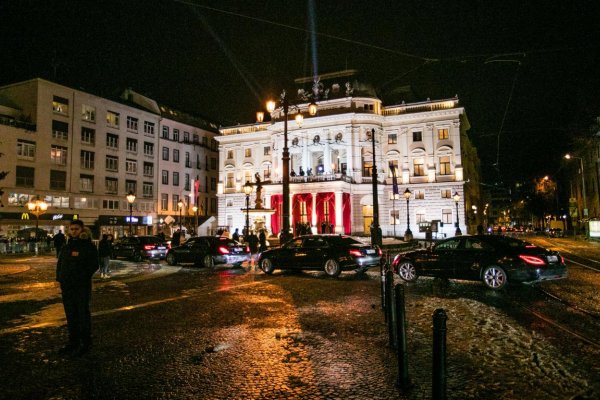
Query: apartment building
x=83, y=154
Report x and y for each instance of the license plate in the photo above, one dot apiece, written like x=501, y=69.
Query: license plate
x=370, y=251
x=552, y=259
x=162, y=248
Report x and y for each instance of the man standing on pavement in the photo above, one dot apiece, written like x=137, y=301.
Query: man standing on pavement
x=77, y=263
x=59, y=242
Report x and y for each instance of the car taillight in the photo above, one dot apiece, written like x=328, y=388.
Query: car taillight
x=355, y=253
x=533, y=260
x=380, y=252
x=562, y=259
x=247, y=249
x=148, y=246
x=223, y=250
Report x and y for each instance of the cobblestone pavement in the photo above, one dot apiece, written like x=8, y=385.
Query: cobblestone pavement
x=165, y=332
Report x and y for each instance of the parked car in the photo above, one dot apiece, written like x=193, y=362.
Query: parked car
x=331, y=253
x=209, y=251
x=140, y=247
x=556, y=232
x=495, y=260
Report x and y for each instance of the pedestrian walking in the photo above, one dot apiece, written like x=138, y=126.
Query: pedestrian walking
x=104, y=252
x=59, y=242
x=253, y=243
x=77, y=263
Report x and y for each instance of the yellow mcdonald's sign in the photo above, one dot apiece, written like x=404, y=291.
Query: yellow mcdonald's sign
x=25, y=215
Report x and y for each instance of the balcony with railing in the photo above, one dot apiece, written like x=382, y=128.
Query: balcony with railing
x=17, y=124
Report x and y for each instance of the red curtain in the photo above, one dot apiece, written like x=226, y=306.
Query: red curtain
x=298, y=198
x=276, y=204
x=322, y=199
x=346, y=215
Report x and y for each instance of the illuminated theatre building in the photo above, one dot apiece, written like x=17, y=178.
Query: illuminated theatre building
x=423, y=144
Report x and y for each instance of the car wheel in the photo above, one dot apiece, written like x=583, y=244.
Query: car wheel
x=407, y=271
x=171, y=260
x=332, y=268
x=137, y=257
x=494, y=277
x=267, y=266
x=208, y=262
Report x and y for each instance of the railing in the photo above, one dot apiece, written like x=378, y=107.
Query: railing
x=25, y=247
x=18, y=124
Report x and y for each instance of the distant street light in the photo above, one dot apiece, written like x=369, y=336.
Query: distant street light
x=456, y=199
x=130, y=200
x=180, y=207
x=585, y=210
x=195, y=210
x=408, y=234
x=37, y=207
x=248, y=191
x=285, y=104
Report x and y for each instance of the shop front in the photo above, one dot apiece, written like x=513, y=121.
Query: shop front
x=121, y=225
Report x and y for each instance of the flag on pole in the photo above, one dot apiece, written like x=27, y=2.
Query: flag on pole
x=394, y=179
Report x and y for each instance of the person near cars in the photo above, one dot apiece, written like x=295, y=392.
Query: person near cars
x=253, y=243
x=262, y=240
x=480, y=229
x=77, y=263
x=59, y=242
x=236, y=235
x=176, y=239
x=104, y=250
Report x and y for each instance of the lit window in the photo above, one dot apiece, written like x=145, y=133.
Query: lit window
x=230, y=154
x=112, y=119
x=88, y=113
x=419, y=167
x=445, y=166
x=60, y=105
x=230, y=184
x=443, y=133
x=446, y=193
x=58, y=155
x=392, y=138
x=248, y=153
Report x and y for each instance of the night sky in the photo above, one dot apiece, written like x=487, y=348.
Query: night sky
x=223, y=58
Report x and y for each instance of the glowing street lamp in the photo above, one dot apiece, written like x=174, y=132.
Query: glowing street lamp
x=195, y=210
x=408, y=234
x=37, y=207
x=456, y=199
x=180, y=207
x=285, y=104
x=130, y=200
x=568, y=157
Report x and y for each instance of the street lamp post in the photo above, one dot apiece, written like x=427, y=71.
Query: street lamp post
x=180, y=207
x=247, y=191
x=285, y=104
x=375, y=235
x=408, y=234
x=568, y=157
x=195, y=210
x=37, y=207
x=456, y=199
x=130, y=200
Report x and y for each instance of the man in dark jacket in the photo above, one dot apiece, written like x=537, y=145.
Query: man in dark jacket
x=77, y=263
x=59, y=242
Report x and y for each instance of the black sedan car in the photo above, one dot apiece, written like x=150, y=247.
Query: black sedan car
x=140, y=247
x=331, y=253
x=209, y=251
x=495, y=260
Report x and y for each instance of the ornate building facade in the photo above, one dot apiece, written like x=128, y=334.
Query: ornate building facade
x=419, y=145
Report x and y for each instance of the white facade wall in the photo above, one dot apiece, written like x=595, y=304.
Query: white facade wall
x=344, y=138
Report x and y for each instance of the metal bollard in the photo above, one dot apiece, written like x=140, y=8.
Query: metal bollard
x=389, y=307
x=402, y=351
x=439, y=355
x=382, y=272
